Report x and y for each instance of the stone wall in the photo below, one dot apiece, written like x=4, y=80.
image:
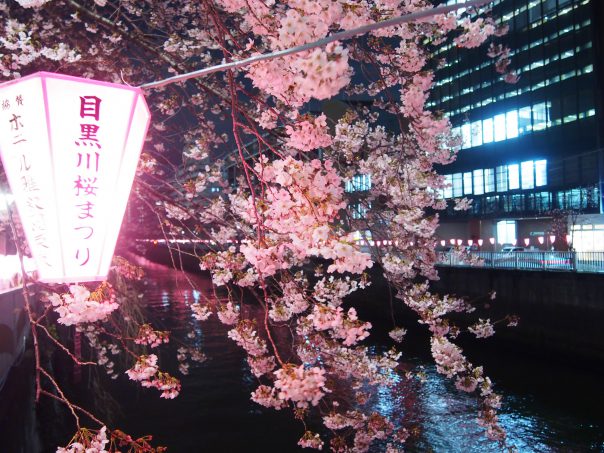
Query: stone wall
x=560, y=312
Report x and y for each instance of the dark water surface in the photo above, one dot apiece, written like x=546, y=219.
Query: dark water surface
x=547, y=407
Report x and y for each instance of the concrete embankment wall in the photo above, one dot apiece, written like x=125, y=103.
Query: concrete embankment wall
x=560, y=312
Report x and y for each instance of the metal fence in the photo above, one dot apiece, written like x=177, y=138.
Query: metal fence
x=543, y=261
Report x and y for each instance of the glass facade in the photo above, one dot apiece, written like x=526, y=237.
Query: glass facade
x=526, y=175
x=358, y=183
x=530, y=146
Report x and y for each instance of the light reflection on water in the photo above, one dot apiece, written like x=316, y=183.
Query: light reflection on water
x=446, y=417
x=214, y=413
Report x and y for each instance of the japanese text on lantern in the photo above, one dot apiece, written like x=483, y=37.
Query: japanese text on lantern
x=88, y=158
x=34, y=212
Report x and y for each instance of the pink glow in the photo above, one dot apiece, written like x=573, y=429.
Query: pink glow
x=452, y=241
x=541, y=239
x=480, y=242
x=492, y=241
x=459, y=241
x=552, y=239
x=78, y=142
x=514, y=242
x=568, y=238
x=470, y=242
x=526, y=241
x=442, y=243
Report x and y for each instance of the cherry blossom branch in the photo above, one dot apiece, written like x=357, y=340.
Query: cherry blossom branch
x=424, y=14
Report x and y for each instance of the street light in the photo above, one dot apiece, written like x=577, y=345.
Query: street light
x=70, y=148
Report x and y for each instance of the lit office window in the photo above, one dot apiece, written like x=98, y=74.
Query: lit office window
x=513, y=177
x=448, y=190
x=467, y=183
x=511, y=124
x=528, y=174
x=476, y=129
x=524, y=120
x=487, y=130
x=539, y=116
x=499, y=127
x=457, y=185
x=358, y=183
x=478, y=182
x=466, y=136
x=359, y=210
x=502, y=178
x=489, y=180
x=506, y=232
x=540, y=173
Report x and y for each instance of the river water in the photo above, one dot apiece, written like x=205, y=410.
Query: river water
x=547, y=407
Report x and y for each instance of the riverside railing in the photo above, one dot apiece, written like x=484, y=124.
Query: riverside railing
x=538, y=261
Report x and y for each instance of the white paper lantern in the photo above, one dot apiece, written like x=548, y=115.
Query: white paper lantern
x=70, y=148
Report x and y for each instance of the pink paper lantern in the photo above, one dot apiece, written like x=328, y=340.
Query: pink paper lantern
x=70, y=147
x=552, y=239
x=492, y=241
x=480, y=242
x=470, y=242
x=541, y=239
x=526, y=241
x=442, y=243
x=459, y=241
x=452, y=241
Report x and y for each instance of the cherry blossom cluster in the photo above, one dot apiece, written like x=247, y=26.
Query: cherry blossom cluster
x=150, y=337
x=78, y=307
x=308, y=134
x=88, y=441
x=300, y=385
x=146, y=371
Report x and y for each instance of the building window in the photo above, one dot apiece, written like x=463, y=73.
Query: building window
x=359, y=210
x=467, y=183
x=502, y=178
x=359, y=183
x=506, y=232
x=478, y=182
x=513, y=177
x=487, y=130
x=476, y=129
x=540, y=173
x=499, y=121
x=457, y=185
x=466, y=136
x=539, y=116
x=511, y=124
x=489, y=180
x=528, y=175
x=524, y=120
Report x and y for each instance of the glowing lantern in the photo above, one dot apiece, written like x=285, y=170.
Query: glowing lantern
x=70, y=147
x=480, y=242
x=492, y=241
x=514, y=242
x=442, y=243
x=526, y=241
x=470, y=242
x=541, y=239
x=568, y=238
x=452, y=241
x=459, y=242
x=552, y=239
